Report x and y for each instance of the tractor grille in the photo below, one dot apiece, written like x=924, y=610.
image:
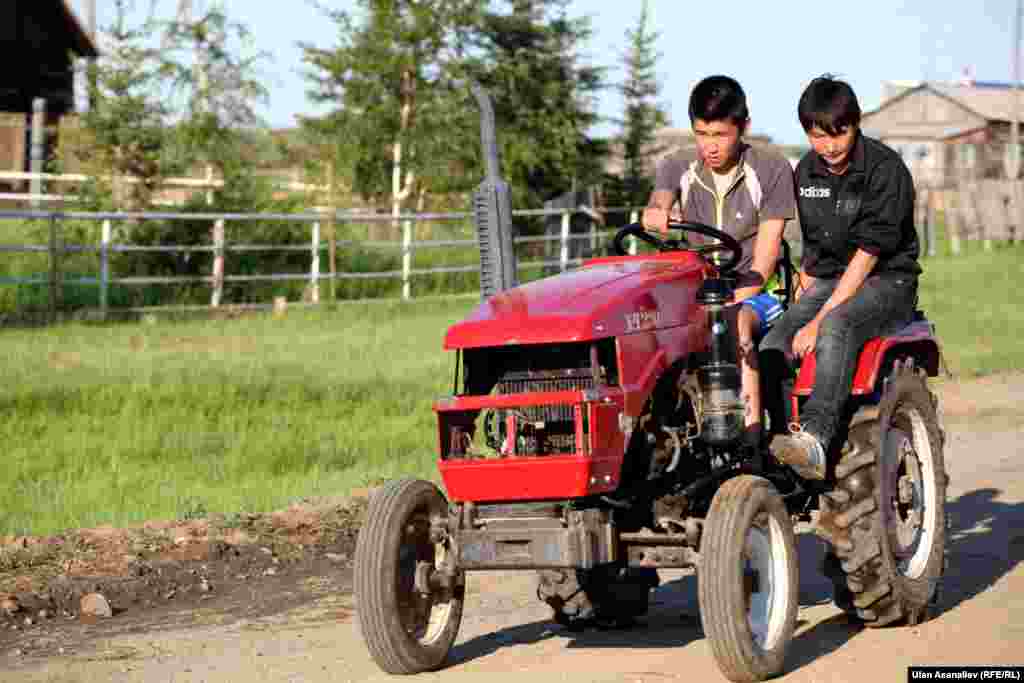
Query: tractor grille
x=537, y=381
x=541, y=429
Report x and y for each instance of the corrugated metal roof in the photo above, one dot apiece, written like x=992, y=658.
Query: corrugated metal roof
x=924, y=131
x=992, y=100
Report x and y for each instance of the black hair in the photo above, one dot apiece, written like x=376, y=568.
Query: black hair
x=718, y=98
x=830, y=104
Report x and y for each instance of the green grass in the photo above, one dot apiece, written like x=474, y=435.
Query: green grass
x=975, y=300
x=119, y=423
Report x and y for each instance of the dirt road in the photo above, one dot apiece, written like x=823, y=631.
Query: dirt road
x=506, y=634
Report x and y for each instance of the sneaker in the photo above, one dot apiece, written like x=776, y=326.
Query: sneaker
x=802, y=451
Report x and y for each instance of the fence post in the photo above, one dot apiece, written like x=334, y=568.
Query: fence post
x=953, y=206
x=314, y=266
x=929, y=228
x=921, y=218
x=54, y=269
x=634, y=217
x=38, y=150
x=209, y=184
x=406, y=259
x=218, y=263
x=332, y=254
x=105, y=269
x=593, y=234
x=564, y=256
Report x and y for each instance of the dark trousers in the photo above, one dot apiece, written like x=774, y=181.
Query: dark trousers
x=880, y=306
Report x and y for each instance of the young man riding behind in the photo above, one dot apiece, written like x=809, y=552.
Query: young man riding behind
x=859, y=268
x=740, y=190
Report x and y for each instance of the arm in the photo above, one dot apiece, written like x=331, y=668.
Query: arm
x=779, y=205
x=767, y=246
x=656, y=214
x=856, y=272
x=666, y=183
x=803, y=283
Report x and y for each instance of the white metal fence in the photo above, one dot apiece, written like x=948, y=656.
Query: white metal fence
x=219, y=246
x=565, y=255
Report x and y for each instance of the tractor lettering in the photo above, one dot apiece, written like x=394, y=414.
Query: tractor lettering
x=639, y=320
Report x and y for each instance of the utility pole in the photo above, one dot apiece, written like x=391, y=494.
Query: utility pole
x=90, y=18
x=84, y=75
x=1013, y=158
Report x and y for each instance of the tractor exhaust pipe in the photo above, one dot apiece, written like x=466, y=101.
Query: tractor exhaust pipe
x=492, y=210
x=719, y=378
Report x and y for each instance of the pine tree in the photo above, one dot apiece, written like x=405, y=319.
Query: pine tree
x=389, y=79
x=528, y=57
x=123, y=133
x=212, y=67
x=642, y=115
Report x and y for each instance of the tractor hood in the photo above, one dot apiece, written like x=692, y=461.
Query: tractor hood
x=605, y=297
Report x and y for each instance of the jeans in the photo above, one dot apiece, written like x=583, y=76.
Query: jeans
x=880, y=306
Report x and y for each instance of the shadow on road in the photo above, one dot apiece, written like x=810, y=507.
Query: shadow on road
x=673, y=619
x=985, y=542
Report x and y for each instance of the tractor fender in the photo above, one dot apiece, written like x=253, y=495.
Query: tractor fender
x=645, y=357
x=916, y=340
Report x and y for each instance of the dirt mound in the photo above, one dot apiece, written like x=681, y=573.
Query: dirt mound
x=162, y=572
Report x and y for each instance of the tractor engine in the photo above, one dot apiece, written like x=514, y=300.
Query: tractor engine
x=532, y=429
x=539, y=429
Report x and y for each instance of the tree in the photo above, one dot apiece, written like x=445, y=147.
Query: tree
x=389, y=79
x=409, y=126
x=166, y=95
x=528, y=57
x=124, y=131
x=642, y=115
x=212, y=68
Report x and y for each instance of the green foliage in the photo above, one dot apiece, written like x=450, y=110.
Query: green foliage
x=124, y=131
x=642, y=114
x=527, y=56
x=404, y=122
x=212, y=65
x=389, y=80
x=165, y=96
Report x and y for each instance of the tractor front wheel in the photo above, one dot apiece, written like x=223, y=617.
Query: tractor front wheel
x=408, y=621
x=748, y=581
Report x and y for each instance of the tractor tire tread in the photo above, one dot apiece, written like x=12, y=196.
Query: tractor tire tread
x=865, y=582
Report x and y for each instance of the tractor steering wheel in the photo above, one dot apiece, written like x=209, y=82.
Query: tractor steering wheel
x=726, y=242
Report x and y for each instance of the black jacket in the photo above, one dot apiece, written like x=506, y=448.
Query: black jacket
x=870, y=207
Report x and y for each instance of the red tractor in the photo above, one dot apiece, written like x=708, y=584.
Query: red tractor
x=594, y=435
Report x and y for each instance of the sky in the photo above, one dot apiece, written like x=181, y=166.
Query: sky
x=773, y=48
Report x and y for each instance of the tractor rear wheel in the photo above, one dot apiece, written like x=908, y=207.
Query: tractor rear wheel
x=748, y=580
x=408, y=626
x=885, y=522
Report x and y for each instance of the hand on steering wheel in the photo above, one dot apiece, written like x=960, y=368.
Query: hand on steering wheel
x=726, y=242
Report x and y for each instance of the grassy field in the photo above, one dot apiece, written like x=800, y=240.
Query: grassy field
x=120, y=423
x=123, y=423
x=976, y=301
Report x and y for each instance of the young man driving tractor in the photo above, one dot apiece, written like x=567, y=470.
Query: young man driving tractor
x=740, y=190
x=859, y=270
